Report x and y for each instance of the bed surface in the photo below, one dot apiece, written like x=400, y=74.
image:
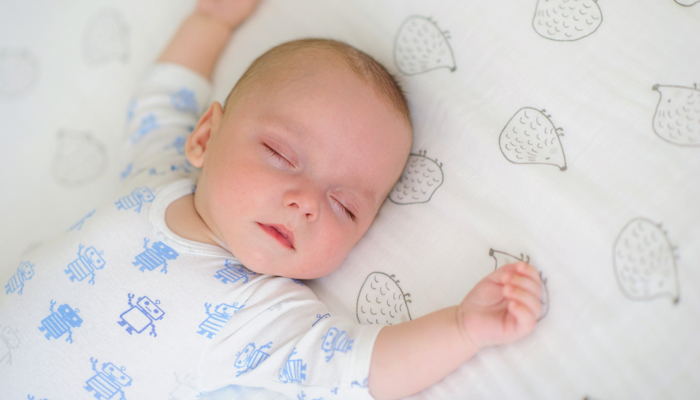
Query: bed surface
x=562, y=132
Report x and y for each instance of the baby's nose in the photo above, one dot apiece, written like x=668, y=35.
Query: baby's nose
x=306, y=201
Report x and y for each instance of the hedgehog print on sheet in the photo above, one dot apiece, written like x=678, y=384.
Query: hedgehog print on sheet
x=530, y=137
x=18, y=71
x=381, y=301
x=420, y=179
x=421, y=46
x=106, y=38
x=566, y=20
x=502, y=258
x=677, y=116
x=644, y=261
x=79, y=158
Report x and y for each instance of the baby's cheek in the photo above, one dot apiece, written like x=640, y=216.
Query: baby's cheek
x=337, y=242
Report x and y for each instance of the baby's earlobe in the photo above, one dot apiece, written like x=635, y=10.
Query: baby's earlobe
x=196, y=144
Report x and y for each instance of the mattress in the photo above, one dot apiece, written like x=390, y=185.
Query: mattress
x=565, y=133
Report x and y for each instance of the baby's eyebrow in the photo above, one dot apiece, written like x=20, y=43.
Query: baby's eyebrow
x=369, y=197
x=285, y=125
x=362, y=200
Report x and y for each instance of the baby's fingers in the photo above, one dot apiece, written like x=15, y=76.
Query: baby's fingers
x=525, y=281
x=528, y=271
x=524, y=319
x=529, y=300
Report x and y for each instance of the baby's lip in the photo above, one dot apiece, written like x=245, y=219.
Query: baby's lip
x=283, y=235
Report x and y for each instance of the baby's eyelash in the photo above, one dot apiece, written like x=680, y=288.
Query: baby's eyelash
x=277, y=155
x=347, y=212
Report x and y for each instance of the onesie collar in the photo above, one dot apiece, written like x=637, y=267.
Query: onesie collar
x=164, y=197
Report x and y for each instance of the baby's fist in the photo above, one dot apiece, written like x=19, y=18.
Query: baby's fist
x=503, y=307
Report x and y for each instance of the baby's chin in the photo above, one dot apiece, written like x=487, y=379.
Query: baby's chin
x=270, y=258
x=302, y=273
x=297, y=269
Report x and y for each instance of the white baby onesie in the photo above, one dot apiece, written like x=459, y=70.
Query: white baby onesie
x=119, y=307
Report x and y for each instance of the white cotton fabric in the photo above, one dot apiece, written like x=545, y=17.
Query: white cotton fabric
x=121, y=307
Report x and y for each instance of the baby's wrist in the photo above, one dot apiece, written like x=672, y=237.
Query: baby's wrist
x=469, y=344
x=212, y=21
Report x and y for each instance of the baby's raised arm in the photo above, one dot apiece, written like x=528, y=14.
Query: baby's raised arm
x=201, y=38
x=411, y=356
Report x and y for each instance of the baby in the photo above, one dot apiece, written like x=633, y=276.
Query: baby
x=182, y=285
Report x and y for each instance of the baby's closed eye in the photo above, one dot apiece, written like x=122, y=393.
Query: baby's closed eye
x=278, y=156
x=344, y=209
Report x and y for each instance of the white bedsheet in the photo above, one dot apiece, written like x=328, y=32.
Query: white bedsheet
x=612, y=218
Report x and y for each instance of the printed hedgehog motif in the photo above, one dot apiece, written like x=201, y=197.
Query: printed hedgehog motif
x=530, y=137
x=502, y=258
x=644, y=261
x=421, y=46
x=106, y=38
x=19, y=69
x=566, y=20
x=677, y=116
x=79, y=158
x=420, y=179
x=381, y=301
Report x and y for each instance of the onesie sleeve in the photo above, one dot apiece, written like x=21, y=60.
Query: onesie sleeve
x=164, y=110
x=285, y=339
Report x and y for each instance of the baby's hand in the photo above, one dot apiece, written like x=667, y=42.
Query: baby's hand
x=229, y=12
x=503, y=307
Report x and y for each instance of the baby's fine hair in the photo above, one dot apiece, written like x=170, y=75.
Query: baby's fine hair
x=363, y=65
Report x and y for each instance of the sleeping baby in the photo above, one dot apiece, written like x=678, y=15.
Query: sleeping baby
x=189, y=280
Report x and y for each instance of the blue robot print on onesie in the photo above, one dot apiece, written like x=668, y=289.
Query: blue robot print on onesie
x=108, y=382
x=334, y=341
x=135, y=199
x=79, y=225
x=141, y=316
x=185, y=167
x=154, y=257
x=86, y=264
x=130, y=110
x=184, y=100
x=361, y=385
x=148, y=123
x=250, y=358
x=233, y=273
x=60, y=322
x=302, y=396
x=294, y=371
x=127, y=171
x=178, y=144
x=320, y=317
x=222, y=313
x=25, y=272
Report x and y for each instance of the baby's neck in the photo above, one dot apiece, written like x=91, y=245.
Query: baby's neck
x=183, y=220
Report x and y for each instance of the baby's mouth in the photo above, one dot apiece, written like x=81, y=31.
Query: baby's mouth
x=283, y=235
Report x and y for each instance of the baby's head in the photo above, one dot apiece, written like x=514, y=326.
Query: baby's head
x=296, y=165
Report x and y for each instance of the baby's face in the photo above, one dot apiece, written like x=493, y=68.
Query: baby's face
x=295, y=173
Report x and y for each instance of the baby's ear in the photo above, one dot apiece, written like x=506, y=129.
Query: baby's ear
x=208, y=125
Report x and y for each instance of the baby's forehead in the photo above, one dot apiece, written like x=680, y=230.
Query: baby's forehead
x=304, y=58
x=306, y=63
